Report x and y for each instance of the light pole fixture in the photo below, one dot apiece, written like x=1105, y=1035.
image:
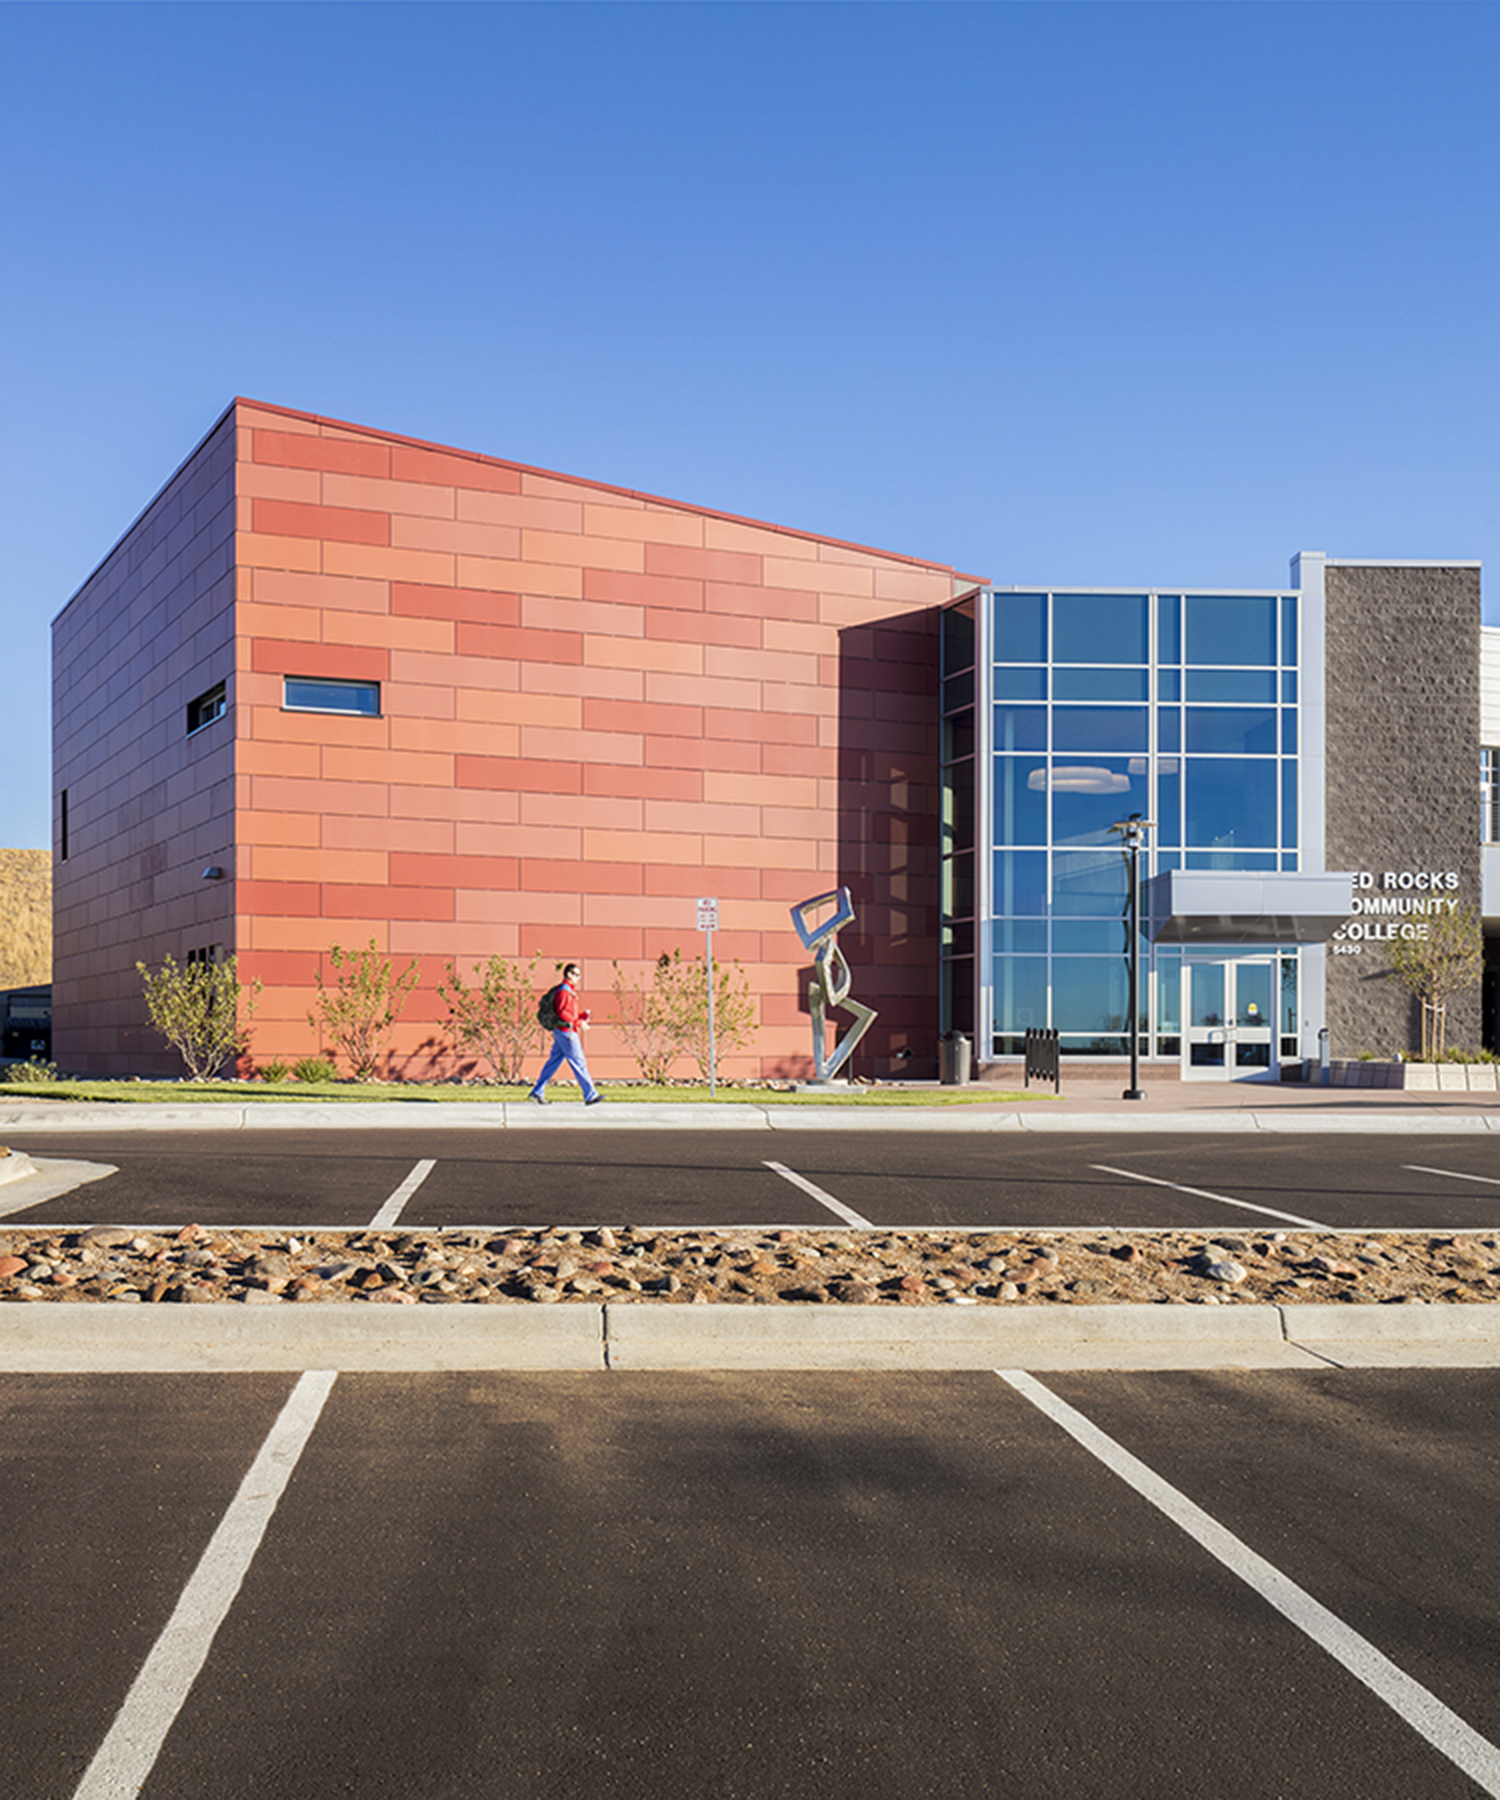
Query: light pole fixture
x=1132, y=841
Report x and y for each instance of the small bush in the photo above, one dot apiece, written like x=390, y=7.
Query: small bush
x=313, y=1070
x=649, y=1018
x=275, y=1071
x=496, y=1018
x=197, y=1009
x=362, y=1006
x=31, y=1074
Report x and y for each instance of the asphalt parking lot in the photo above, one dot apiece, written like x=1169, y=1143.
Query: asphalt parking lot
x=305, y=1179
x=798, y=1584
x=1270, y=1582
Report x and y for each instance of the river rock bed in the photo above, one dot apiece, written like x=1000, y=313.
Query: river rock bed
x=198, y=1264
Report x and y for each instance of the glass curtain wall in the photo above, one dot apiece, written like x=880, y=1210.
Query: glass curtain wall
x=1181, y=707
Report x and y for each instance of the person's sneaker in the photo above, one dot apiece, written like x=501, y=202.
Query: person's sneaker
x=595, y=1101
x=540, y=1099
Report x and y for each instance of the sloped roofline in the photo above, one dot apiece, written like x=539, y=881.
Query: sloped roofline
x=605, y=487
x=962, y=583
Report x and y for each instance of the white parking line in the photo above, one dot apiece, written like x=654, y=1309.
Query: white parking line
x=808, y=1187
x=1453, y=1174
x=1423, y=1711
x=125, y=1758
x=1204, y=1194
x=391, y=1211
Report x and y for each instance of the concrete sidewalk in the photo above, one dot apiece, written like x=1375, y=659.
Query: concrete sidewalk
x=110, y=1337
x=1169, y=1106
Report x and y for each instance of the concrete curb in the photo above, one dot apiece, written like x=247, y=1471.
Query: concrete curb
x=1397, y=1337
x=47, y=1180
x=70, y=1339
x=15, y=1167
x=418, y=1115
x=1084, y=1337
x=130, y=1339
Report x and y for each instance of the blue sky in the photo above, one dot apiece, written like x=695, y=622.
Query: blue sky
x=1085, y=293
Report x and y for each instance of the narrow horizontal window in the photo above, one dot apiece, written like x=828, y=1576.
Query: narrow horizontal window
x=206, y=708
x=305, y=694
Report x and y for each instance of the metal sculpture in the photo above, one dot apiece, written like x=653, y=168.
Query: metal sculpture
x=831, y=980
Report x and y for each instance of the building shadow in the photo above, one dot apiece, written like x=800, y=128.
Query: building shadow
x=888, y=837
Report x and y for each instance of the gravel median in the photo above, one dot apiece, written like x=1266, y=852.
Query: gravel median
x=198, y=1264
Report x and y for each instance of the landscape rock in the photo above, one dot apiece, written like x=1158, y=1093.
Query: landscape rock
x=807, y=1266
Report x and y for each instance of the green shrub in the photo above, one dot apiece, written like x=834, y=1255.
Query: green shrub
x=649, y=1019
x=313, y=1070
x=31, y=1074
x=197, y=1010
x=496, y=1019
x=274, y=1071
x=671, y=1018
x=364, y=1003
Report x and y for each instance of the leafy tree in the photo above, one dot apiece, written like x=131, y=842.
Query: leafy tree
x=197, y=1010
x=686, y=982
x=649, y=1018
x=1436, y=967
x=364, y=1003
x=496, y=1018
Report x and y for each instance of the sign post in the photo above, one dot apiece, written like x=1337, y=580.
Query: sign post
x=708, y=923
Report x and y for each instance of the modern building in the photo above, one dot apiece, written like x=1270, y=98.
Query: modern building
x=1270, y=738
x=335, y=686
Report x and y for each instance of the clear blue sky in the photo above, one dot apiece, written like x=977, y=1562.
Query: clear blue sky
x=1087, y=293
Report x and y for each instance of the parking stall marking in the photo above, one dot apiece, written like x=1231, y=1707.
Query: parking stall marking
x=1452, y=1174
x=1203, y=1194
x=130, y=1749
x=837, y=1207
x=391, y=1211
x=1471, y=1752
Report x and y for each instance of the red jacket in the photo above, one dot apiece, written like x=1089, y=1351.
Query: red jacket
x=569, y=1014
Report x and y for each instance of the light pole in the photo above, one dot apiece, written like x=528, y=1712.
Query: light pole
x=1132, y=841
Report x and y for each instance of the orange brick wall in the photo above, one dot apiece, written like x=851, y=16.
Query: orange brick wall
x=596, y=706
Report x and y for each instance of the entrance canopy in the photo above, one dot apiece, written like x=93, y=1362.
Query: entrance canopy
x=1243, y=906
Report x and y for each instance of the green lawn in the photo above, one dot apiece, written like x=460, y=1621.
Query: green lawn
x=419, y=1093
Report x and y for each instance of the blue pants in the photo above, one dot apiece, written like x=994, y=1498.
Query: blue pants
x=566, y=1048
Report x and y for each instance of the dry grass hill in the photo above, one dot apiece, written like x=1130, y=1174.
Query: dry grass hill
x=25, y=918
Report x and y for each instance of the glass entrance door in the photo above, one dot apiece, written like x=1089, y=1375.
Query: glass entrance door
x=1228, y=1017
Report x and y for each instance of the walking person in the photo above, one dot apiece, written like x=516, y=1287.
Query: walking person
x=567, y=1044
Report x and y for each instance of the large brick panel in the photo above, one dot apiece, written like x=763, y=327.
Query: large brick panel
x=596, y=705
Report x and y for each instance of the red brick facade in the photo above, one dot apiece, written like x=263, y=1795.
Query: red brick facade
x=595, y=707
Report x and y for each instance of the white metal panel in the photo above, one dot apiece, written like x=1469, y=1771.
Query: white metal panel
x=1489, y=687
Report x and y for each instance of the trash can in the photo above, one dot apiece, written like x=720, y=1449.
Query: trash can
x=954, y=1051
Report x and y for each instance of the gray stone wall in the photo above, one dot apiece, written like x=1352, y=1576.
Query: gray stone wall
x=1403, y=771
